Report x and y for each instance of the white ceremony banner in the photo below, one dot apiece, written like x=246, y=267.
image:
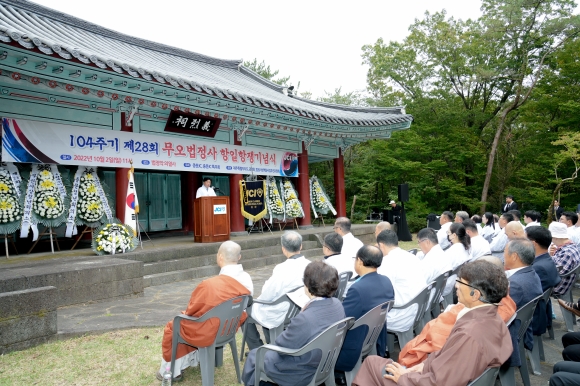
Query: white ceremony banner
x=53, y=143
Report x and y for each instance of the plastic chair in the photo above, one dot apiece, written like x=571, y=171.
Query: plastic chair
x=434, y=309
x=343, y=279
x=273, y=333
x=507, y=375
x=487, y=378
x=229, y=314
x=537, y=353
x=329, y=342
x=374, y=320
x=511, y=320
x=422, y=301
x=448, y=299
x=569, y=317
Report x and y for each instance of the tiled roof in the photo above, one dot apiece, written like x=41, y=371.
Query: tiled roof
x=52, y=32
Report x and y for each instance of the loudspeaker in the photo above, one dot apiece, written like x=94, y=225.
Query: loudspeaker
x=404, y=192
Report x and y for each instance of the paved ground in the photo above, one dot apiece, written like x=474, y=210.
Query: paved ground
x=160, y=303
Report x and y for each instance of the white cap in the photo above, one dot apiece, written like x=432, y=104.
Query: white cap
x=392, y=202
x=559, y=230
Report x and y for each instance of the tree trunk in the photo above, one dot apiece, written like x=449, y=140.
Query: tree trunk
x=352, y=207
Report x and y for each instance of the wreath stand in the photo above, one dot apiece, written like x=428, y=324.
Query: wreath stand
x=85, y=231
x=294, y=224
x=11, y=238
x=49, y=234
x=258, y=226
x=319, y=220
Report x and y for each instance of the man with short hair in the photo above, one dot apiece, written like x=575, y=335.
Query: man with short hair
x=350, y=244
x=570, y=219
x=461, y=216
x=532, y=218
x=205, y=190
x=525, y=285
x=499, y=241
x=435, y=262
x=285, y=277
x=368, y=292
x=565, y=254
x=445, y=221
x=332, y=256
x=477, y=220
x=510, y=204
x=406, y=274
x=231, y=282
x=548, y=274
x=479, y=245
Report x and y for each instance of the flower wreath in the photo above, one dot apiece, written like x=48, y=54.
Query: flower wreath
x=292, y=206
x=92, y=207
x=114, y=237
x=11, y=198
x=318, y=198
x=273, y=200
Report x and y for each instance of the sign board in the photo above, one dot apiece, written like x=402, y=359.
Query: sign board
x=219, y=209
x=192, y=124
x=43, y=142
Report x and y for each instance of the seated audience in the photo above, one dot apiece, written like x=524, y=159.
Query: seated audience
x=445, y=220
x=285, y=277
x=350, y=244
x=332, y=256
x=436, y=262
x=479, y=245
x=479, y=339
x=548, y=274
x=320, y=283
x=490, y=229
x=231, y=282
x=368, y=292
x=532, y=218
x=570, y=219
x=565, y=254
x=406, y=274
x=436, y=332
x=525, y=285
x=497, y=244
x=458, y=253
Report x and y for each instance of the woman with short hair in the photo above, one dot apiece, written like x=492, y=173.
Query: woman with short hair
x=320, y=283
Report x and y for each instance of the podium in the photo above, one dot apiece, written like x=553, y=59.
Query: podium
x=211, y=219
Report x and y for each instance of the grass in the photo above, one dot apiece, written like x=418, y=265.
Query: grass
x=127, y=357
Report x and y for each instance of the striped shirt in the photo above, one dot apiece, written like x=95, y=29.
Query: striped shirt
x=566, y=258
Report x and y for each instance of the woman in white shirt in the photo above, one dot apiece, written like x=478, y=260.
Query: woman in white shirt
x=490, y=229
x=458, y=253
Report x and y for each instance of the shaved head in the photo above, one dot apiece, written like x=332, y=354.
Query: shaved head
x=492, y=259
x=230, y=252
x=383, y=225
x=515, y=230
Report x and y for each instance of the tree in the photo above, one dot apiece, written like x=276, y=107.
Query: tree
x=265, y=71
x=569, y=153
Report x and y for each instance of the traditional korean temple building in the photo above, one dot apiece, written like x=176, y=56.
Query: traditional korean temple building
x=59, y=71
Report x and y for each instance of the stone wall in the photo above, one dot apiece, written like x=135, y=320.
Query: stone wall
x=27, y=318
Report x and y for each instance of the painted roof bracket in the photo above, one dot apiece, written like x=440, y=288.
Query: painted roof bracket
x=342, y=145
x=241, y=130
x=308, y=140
x=130, y=109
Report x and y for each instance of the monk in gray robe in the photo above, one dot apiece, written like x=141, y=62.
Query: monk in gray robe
x=479, y=339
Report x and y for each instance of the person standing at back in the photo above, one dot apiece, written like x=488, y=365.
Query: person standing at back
x=510, y=204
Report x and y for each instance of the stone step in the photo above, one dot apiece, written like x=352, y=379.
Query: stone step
x=212, y=270
x=199, y=261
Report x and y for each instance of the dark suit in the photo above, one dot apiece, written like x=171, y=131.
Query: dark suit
x=549, y=277
x=368, y=292
x=525, y=285
x=558, y=213
x=511, y=206
x=287, y=370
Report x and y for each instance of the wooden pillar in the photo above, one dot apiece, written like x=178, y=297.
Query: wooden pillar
x=237, y=222
x=303, y=187
x=340, y=205
x=122, y=180
x=191, y=182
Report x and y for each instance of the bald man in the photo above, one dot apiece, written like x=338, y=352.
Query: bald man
x=383, y=225
x=514, y=230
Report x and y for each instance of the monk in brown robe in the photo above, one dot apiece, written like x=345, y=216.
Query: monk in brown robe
x=479, y=339
x=208, y=294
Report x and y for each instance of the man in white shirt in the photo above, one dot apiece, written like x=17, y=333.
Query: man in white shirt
x=332, y=256
x=205, y=190
x=570, y=219
x=445, y=220
x=479, y=245
x=286, y=277
x=532, y=218
x=350, y=244
x=406, y=274
x=435, y=261
x=499, y=241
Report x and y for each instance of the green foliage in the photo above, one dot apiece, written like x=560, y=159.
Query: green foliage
x=265, y=71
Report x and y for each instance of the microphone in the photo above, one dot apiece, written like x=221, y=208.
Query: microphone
x=214, y=188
